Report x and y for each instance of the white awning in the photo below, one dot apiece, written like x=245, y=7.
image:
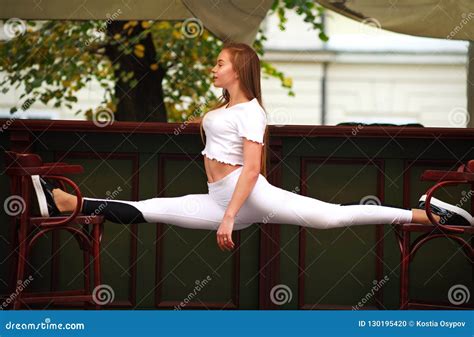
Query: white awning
x=449, y=19
x=228, y=20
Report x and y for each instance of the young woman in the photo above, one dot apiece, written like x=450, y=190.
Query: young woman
x=238, y=194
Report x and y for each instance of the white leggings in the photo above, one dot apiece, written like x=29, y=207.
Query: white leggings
x=265, y=204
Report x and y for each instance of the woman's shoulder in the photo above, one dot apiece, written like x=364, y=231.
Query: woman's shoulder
x=250, y=107
x=250, y=113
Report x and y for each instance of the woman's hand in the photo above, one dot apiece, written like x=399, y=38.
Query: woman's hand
x=224, y=233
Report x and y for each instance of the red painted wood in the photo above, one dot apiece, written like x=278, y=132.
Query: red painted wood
x=408, y=249
x=269, y=259
x=404, y=270
x=436, y=175
x=193, y=128
x=130, y=302
x=16, y=166
x=199, y=305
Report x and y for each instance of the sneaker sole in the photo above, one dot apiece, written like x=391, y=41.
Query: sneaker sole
x=43, y=204
x=451, y=208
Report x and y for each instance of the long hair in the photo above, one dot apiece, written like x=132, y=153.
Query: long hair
x=246, y=63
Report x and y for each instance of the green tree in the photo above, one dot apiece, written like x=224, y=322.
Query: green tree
x=150, y=71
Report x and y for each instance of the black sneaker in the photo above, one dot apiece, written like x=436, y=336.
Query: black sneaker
x=44, y=194
x=450, y=215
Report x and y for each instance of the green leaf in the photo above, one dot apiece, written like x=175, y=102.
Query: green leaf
x=57, y=59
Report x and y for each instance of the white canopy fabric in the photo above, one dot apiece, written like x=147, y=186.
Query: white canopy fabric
x=228, y=20
x=447, y=19
x=239, y=20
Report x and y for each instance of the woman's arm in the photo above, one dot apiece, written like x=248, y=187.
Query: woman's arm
x=252, y=152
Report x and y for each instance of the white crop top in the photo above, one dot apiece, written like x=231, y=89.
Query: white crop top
x=225, y=128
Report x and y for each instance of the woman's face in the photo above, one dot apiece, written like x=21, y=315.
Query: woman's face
x=223, y=74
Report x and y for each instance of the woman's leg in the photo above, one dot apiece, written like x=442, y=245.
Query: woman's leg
x=198, y=211
x=268, y=203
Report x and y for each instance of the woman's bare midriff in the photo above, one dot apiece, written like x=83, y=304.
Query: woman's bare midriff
x=216, y=170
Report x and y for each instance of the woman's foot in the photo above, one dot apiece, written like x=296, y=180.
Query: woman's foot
x=448, y=214
x=52, y=200
x=65, y=202
x=45, y=197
